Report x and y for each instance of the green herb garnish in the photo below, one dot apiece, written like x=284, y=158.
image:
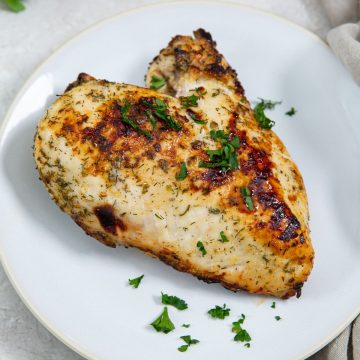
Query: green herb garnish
x=219, y=312
x=185, y=325
x=163, y=322
x=201, y=247
x=159, y=216
x=136, y=281
x=160, y=110
x=132, y=123
x=157, y=82
x=259, y=112
x=223, y=237
x=189, y=101
x=182, y=173
x=151, y=118
x=273, y=305
x=189, y=341
x=195, y=117
x=241, y=334
x=246, y=195
x=15, y=5
x=224, y=157
x=173, y=301
x=247, y=345
x=291, y=112
x=277, y=318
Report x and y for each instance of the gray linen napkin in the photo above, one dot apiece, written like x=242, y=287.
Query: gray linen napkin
x=344, y=39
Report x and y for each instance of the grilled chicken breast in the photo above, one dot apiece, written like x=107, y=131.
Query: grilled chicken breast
x=193, y=181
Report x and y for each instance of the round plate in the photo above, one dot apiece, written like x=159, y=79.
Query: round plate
x=78, y=288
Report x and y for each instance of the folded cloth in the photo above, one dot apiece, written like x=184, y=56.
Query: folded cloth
x=345, y=42
x=345, y=347
x=344, y=38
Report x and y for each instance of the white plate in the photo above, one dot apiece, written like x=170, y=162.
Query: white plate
x=78, y=288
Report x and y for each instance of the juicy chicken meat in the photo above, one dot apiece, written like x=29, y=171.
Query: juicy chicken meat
x=131, y=166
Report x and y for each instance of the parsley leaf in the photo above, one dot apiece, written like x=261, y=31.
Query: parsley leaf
x=273, y=305
x=15, y=5
x=136, y=281
x=223, y=237
x=246, y=195
x=291, y=112
x=226, y=156
x=277, y=318
x=173, y=301
x=201, y=247
x=160, y=110
x=183, y=348
x=151, y=118
x=241, y=334
x=157, y=82
x=163, y=322
x=194, y=116
x=189, y=101
x=182, y=173
x=185, y=325
x=219, y=312
x=189, y=341
x=132, y=123
x=259, y=112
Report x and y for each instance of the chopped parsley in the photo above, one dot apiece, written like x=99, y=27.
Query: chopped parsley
x=241, y=334
x=246, y=195
x=157, y=82
x=185, y=325
x=194, y=116
x=189, y=101
x=160, y=111
x=163, y=322
x=132, y=123
x=173, y=301
x=182, y=173
x=223, y=237
x=15, y=5
x=201, y=247
x=136, y=281
x=226, y=156
x=189, y=341
x=259, y=112
x=277, y=318
x=291, y=112
x=219, y=312
x=247, y=345
x=151, y=118
x=273, y=305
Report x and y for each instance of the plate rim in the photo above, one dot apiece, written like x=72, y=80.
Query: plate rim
x=65, y=339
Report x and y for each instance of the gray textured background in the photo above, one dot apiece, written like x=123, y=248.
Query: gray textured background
x=28, y=38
